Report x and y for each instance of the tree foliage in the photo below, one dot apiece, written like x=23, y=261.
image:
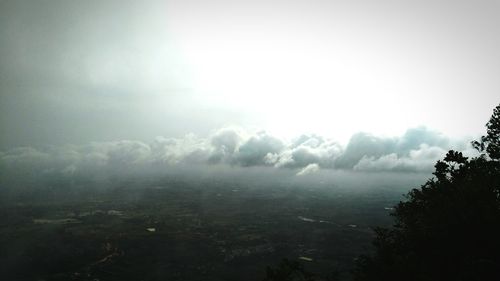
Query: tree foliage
x=491, y=142
x=449, y=228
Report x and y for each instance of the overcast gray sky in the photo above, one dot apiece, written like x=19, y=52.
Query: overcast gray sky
x=82, y=71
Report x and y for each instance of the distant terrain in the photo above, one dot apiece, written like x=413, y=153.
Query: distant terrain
x=192, y=229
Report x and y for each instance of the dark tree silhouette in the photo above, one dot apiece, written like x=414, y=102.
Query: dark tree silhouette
x=449, y=228
x=491, y=142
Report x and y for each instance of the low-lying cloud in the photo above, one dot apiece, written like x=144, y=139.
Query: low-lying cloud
x=309, y=169
x=415, y=151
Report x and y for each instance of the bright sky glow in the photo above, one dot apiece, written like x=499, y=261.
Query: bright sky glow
x=330, y=72
x=74, y=71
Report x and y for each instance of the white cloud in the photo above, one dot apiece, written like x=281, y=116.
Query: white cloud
x=419, y=160
x=189, y=149
x=307, y=150
x=254, y=150
x=416, y=151
x=309, y=169
x=225, y=142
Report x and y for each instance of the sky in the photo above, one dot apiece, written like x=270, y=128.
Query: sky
x=241, y=82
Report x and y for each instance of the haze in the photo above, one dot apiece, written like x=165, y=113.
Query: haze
x=78, y=72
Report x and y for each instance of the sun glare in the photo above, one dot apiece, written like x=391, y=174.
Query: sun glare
x=297, y=87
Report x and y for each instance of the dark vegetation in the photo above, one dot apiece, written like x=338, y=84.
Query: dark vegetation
x=448, y=229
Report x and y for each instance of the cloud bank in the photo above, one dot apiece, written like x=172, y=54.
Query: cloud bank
x=415, y=151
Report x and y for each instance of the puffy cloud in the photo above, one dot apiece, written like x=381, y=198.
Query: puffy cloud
x=253, y=151
x=414, y=137
x=227, y=139
x=420, y=160
x=309, y=169
x=124, y=153
x=364, y=145
x=188, y=150
x=225, y=142
x=368, y=147
x=417, y=150
x=307, y=150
